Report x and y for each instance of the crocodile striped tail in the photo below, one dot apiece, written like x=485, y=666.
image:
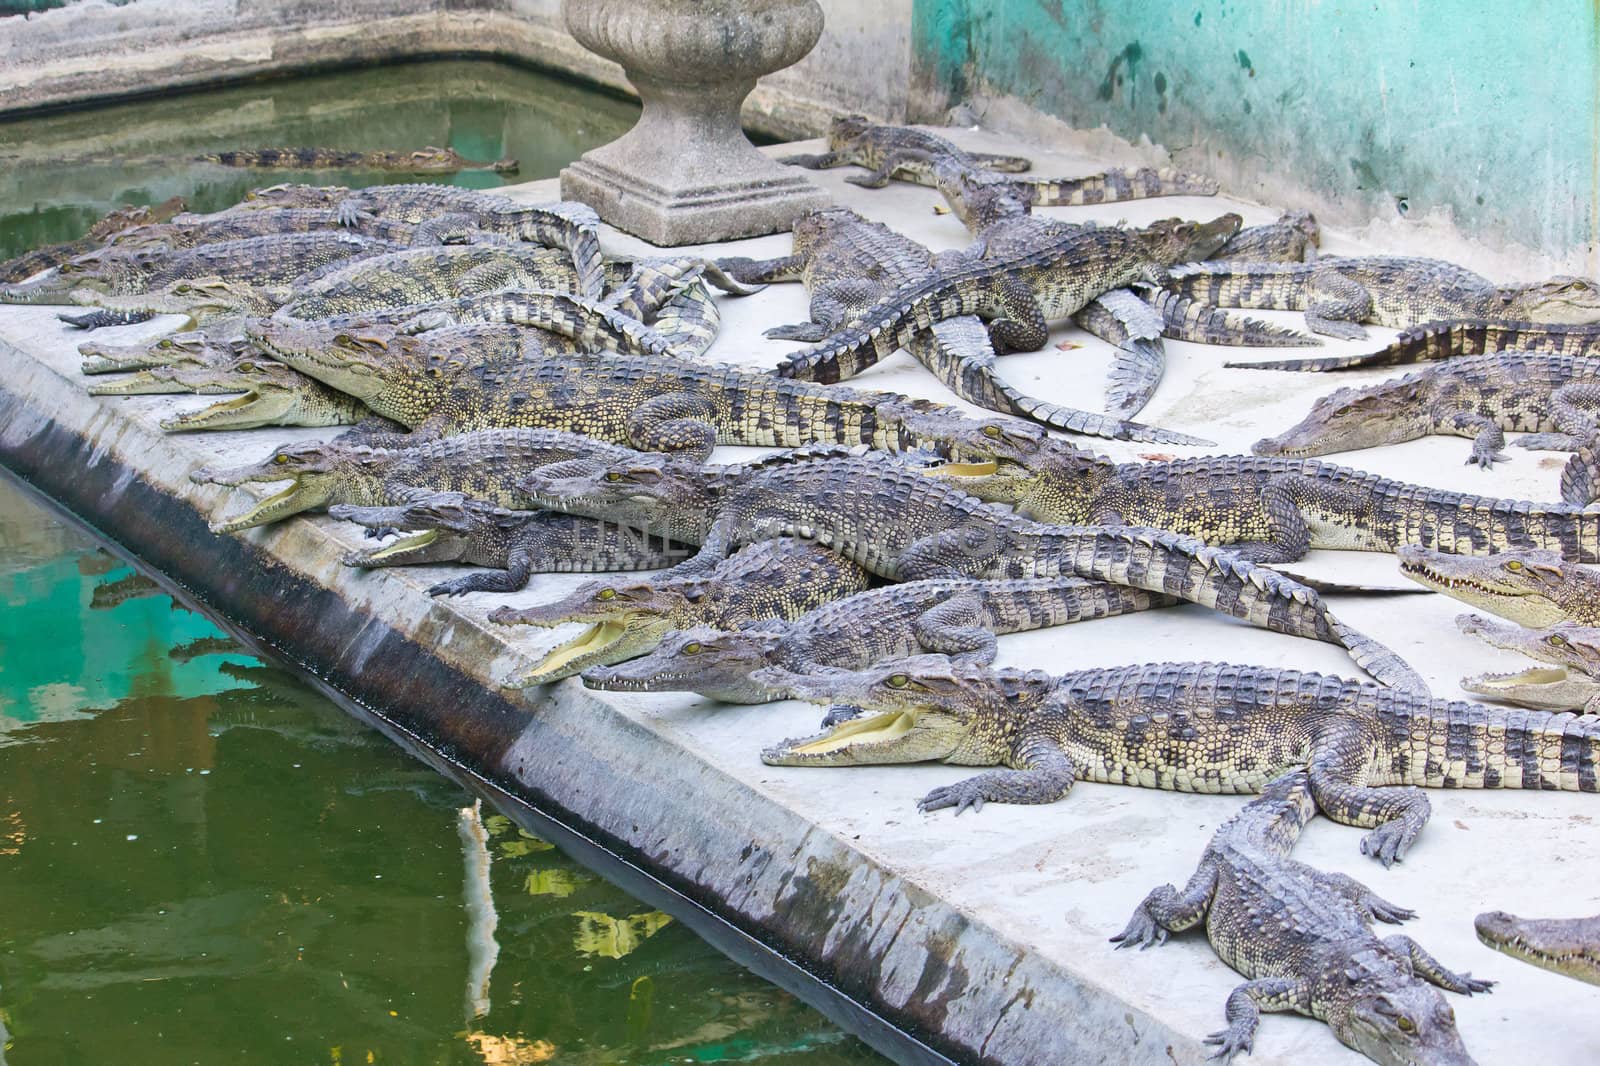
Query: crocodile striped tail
x=1455, y=744
x=1183, y=318
x=887, y=328
x=1264, y=286
x=1482, y=525
x=1115, y=185
x=1448, y=338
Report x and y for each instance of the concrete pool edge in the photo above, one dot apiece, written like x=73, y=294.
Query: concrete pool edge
x=784, y=896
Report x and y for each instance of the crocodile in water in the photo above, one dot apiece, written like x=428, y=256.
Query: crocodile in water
x=429, y=160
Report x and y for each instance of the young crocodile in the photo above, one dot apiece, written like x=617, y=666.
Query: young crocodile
x=1303, y=939
x=1192, y=727
x=114, y=222
x=849, y=265
x=1570, y=683
x=483, y=465
x=1018, y=291
x=451, y=527
x=271, y=394
x=429, y=160
x=1567, y=946
x=774, y=580
x=188, y=348
x=189, y=231
x=903, y=525
x=915, y=155
x=953, y=616
x=1273, y=510
x=1533, y=588
x=1480, y=397
x=1449, y=338
x=1338, y=293
x=1292, y=238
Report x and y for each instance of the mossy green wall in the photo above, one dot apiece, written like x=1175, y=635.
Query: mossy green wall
x=1489, y=109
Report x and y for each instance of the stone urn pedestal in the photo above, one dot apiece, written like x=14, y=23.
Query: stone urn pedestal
x=686, y=173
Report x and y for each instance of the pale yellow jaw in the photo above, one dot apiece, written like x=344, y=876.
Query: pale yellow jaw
x=278, y=505
x=406, y=544
x=868, y=730
x=586, y=650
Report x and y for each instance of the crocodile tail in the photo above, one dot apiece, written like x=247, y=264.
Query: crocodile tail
x=1183, y=318
x=1468, y=745
x=1040, y=603
x=1452, y=337
x=1267, y=286
x=1117, y=184
x=1479, y=525
x=101, y=318
x=1580, y=478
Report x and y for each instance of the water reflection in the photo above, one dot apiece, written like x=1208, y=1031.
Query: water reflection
x=203, y=861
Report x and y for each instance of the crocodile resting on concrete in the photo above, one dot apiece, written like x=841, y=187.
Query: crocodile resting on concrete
x=271, y=394
x=1193, y=727
x=1017, y=291
x=1449, y=338
x=1273, y=510
x=1338, y=293
x=483, y=465
x=195, y=348
x=38, y=260
x=774, y=580
x=429, y=160
x=1480, y=397
x=1567, y=946
x=915, y=155
x=1303, y=939
x=451, y=527
x=959, y=617
x=1533, y=588
x=1571, y=681
x=1292, y=238
x=904, y=526
x=849, y=265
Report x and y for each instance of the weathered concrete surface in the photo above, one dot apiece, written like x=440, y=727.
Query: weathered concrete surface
x=985, y=933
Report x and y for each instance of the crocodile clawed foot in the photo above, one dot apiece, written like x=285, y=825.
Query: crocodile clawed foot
x=1142, y=931
x=454, y=587
x=1234, y=1040
x=1392, y=913
x=1387, y=843
x=962, y=795
x=1486, y=460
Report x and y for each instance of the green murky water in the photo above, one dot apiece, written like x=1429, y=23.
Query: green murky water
x=203, y=861
x=59, y=173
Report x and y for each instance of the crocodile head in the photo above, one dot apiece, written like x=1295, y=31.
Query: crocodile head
x=971, y=445
x=351, y=359
x=913, y=710
x=1305, y=222
x=103, y=273
x=1535, y=588
x=192, y=348
x=625, y=620
x=1352, y=418
x=1568, y=946
x=638, y=491
x=1563, y=298
x=709, y=661
x=1394, y=1019
x=813, y=226
x=846, y=128
x=292, y=195
x=202, y=299
x=980, y=197
x=271, y=395
x=1056, y=483
x=1179, y=240
x=443, y=524
x=315, y=470
x=1572, y=651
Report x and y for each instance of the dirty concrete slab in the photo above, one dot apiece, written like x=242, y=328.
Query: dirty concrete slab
x=990, y=927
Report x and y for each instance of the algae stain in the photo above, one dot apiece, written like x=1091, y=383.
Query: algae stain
x=1197, y=18
x=1131, y=55
x=1244, y=62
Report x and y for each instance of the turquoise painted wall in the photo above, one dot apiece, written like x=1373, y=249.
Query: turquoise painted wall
x=1489, y=109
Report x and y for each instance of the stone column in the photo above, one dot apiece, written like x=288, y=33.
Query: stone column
x=686, y=173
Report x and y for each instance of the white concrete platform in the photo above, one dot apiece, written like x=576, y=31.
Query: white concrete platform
x=985, y=934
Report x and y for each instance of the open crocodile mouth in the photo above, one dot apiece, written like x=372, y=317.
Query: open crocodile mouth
x=273, y=507
x=1424, y=574
x=866, y=731
x=586, y=649
x=402, y=545
x=1509, y=936
x=987, y=468
x=219, y=411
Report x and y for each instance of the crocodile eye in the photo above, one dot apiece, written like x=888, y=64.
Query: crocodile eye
x=1514, y=565
x=343, y=338
x=613, y=476
x=898, y=681
x=1406, y=1024
x=435, y=372
x=1557, y=640
x=607, y=594
x=692, y=648
x=164, y=342
x=991, y=431
x=281, y=459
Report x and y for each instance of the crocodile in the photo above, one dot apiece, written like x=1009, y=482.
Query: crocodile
x=114, y=222
x=1192, y=727
x=451, y=527
x=1292, y=238
x=271, y=394
x=1017, y=288
x=1571, y=681
x=217, y=306
x=185, y=348
x=780, y=579
x=915, y=155
x=959, y=617
x=904, y=526
x=429, y=160
x=189, y=231
x=256, y=260
x=1303, y=939
x=1338, y=293
x=1184, y=318
x=483, y=465
x=1272, y=510
x=447, y=212
x=1567, y=946
x=1533, y=588
x=1452, y=337
x=648, y=402
x=1481, y=397
x=850, y=264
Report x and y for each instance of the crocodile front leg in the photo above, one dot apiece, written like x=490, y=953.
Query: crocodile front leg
x=1337, y=305
x=1040, y=773
x=1166, y=910
x=1431, y=970
x=1363, y=897
x=1489, y=440
x=820, y=161
x=1245, y=1004
x=833, y=305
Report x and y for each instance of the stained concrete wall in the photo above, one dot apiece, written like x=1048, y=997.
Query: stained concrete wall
x=1487, y=112
x=91, y=49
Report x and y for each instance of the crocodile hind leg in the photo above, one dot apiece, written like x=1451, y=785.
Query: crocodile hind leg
x=1290, y=536
x=514, y=578
x=892, y=161
x=1040, y=773
x=1572, y=409
x=675, y=422
x=1245, y=1004
x=1396, y=814
x=1166, y=910
x=1363, y=897
x=1021, y=325
x=951, y=628
x=833, y=304
x=1489, y=440
x=1336, y=305
x=1431, y=970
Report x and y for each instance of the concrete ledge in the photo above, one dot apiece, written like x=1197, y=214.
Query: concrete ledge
x=981, y=938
